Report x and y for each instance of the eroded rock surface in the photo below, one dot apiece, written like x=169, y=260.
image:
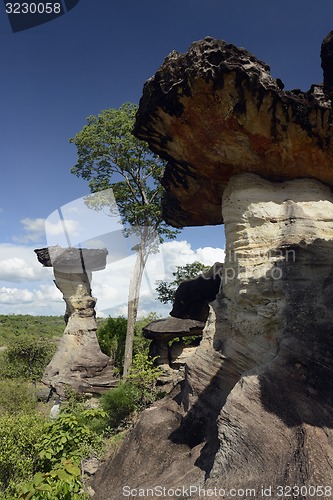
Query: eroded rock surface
x=215, y=112
x=78, y=362
x=188, y=316
x=172, y=356
x=256, y=407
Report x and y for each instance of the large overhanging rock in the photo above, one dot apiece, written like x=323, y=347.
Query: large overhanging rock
x=193, y=296
x=78, y=362
x=215, y=112
x=256, y=408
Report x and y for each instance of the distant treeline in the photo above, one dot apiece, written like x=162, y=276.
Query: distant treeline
x=12, y=325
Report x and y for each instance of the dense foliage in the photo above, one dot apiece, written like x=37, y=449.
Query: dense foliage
x=26, y=357
x=42, y=327
x=111, y=335
x=110, y=156
x=41, y=459
x=136, y=393
x=17, y=396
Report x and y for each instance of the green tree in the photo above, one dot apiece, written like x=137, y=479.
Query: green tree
x=26, y=357
x=166, y=290
x=111, y=336
x=109, y=156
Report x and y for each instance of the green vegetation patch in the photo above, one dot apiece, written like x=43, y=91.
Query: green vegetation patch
x=44, y=327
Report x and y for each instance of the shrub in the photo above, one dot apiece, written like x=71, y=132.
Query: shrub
x=138, y=391
x=70, y=435
x=13, y=325
x=26, y=357
x=39, y=458
x=16, y=396
x=111, y=337
x=120, y=402
x=62, y=483
x=143, y=376
x=18, y=436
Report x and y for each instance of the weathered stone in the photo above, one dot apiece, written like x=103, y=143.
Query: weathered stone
x=72, y=260
x=169, y=328
x=180, y=353
x=78, y=362
x=255, y=408
x=172, y=358
x=215, y=112
x=193, y=296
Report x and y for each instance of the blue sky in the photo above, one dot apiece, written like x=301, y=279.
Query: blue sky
x=98, y=56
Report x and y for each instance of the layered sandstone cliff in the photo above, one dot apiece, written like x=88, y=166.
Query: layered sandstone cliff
x=256, y=407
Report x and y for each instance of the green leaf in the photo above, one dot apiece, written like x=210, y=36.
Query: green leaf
x=44, y=487
x=62, y=474
x=38, y=478
x=72, y=468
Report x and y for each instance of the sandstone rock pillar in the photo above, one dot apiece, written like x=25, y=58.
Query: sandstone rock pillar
x=78, y=362
x=255, y=410
x=275, y=329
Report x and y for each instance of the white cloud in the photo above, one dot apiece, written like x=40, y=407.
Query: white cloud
x=15, y=296
x=209, y=255
x=35, y=293
x=37, y=230
x=179, y=253
x=48, y=293
x=16, y=270
x=110, y=286
x=19, y=264
x=34, y=230
x=57, y=228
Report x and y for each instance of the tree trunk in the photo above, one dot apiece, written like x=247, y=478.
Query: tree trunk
x=133, y=302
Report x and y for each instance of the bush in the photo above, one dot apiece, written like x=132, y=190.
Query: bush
x=18, y=456
x=13, y=325
x=70, y=435
x=120, y=402
x=111, y=337
x=26, y=357
x=16, y=396
x=143, y=376
x=64, y=443
x=39, y=458
x=62, y=483
x=136, y=393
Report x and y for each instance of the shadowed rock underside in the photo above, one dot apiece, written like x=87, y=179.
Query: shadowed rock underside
x=256, y=406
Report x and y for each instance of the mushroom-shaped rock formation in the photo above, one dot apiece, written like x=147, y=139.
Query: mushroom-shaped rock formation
x=172, y=356
x=189, y=314
x=169, y=328
x=215, y=112
x=78, y=362
x=256, y=408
